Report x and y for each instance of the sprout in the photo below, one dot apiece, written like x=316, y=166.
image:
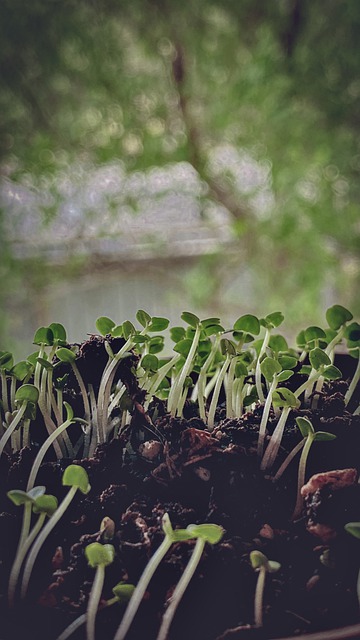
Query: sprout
x=261, y=564
x=177, y=389
x=310, y=435
x=272, y=372
x=207, y=533
x=203, y=533
x=26, y=395
x=76, y=478
x=45, y=506
x=269, y=322
x=98, y=556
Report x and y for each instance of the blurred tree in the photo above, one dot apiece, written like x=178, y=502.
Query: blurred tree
x=158, y=81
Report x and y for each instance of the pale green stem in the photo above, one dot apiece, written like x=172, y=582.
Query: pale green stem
x=42, y=452
x=275, y=441
x=265, y=416
x=13, y=392
x=201, y=383
x=94, y=600
x=177, y=390
x=141, y=587
x=38, y=367
x=258, y=369
x=259, y=596
x=20, y=556
x=78, y=622
x=12, y=426
x=4, y=391
x=289, y=458
x=180, y=589
x=301, y=475
x=42, y=537
x=50, y=426
x=239, y=396
x=115, y=401
x=216, y=393
x=83, y=391
x=229, y=388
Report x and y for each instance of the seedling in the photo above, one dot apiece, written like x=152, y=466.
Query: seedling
x=98, y=556
x=261, y=564
x=310, y=436
x=76, y=478
x=45, y=506
x=271, y=369
x=269, y=322
x=203, y=533
x=26, y=395
x=122, y=594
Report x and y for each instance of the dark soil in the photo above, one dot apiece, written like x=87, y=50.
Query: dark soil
x=177, y=466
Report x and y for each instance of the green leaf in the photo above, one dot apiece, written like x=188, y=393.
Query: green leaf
x=44, y=335
x=139, y=339
x=180, y=535
x=19, y=497
x=305, y=426
x=210, y=322
x=273, y=566
x=284, y=375
x=300, y=339
x=273, y=319
x=283, y=397
x=104, y=325
x=269, y=367
x=22, y=369
x=240, y=369
x=190, y=318
x=76, y=476
x=183, y=346
x=288, y=362
x=143, y=318
x=352, y=334
x=227, y=347
x=305, y=369
x=177, y=334
x=150, y=362
x=59, y=332
x=258, y=559
x=45, y=363
x=337, y=315
x=213, y=329
x=158, y=324
x=314, y=333
x=156, y=344
x=211, y=533
x=27, y=393
x=99, y=555
x=278, y=343
x=65, y=355
x=353, y=528
x=45, y=504
x=332, y=373
x=251, y=397
x=318, y=358
x=123, y=591
x=117, y=332
x=69, y=411
x=128, y=329
x=247, y=324
x=6, y=360
x=324, y=436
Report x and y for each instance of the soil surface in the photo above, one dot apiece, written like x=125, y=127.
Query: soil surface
x=160, y=464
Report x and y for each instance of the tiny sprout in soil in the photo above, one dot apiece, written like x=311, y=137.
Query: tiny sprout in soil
x=159, y=474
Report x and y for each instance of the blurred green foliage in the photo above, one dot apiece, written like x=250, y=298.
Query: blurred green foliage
x=159, y=81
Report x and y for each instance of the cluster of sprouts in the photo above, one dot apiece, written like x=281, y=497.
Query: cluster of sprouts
x=219, y=371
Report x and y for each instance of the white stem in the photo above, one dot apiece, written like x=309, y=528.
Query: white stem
x=229, y=389
x=258, y=363
x=301, y=476
x=94, y=600
x=176, y=392
x=201, y=384
x=353, y=384
x=42, y=537
x=180, y=589
x=289, y=458
x=265, y=416
x=259, y=596
x=42, y=452
x=216, y=393
x=274, y=444
x=72, y=627
x=20, y=555
x=141, y=587
x=12, y=426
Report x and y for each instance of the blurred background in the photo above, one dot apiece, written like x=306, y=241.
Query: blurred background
x=196, y=155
